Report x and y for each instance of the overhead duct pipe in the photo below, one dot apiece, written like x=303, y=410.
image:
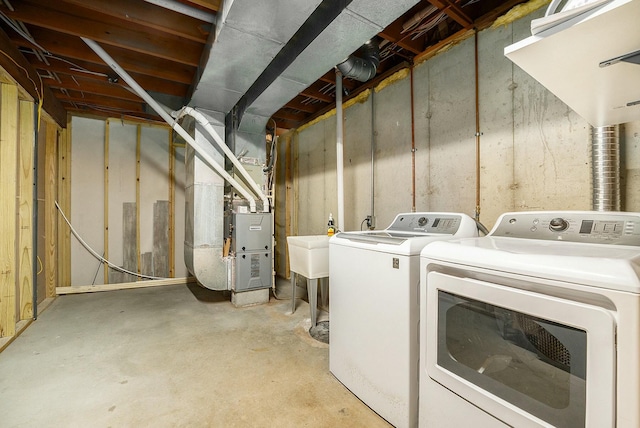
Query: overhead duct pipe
x=605, y=160
x=204, y=121
x=201, y=149
x=362, y=68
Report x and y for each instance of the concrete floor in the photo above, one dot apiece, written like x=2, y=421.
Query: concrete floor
x=172, y=356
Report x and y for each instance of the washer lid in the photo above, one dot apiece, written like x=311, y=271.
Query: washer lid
x=615, y=267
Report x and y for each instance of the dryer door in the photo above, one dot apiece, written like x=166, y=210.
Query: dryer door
x=527, y=359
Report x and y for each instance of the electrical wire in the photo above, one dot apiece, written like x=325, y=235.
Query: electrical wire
x=98, y=256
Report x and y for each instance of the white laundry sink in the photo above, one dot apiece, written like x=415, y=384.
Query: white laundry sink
x=309, y=255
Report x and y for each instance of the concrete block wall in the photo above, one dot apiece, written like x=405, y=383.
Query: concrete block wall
x=535, y=151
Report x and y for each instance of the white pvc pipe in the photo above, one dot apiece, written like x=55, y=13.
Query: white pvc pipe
x=204, y=121
x=339, y=152
x=185, y=10
x=201, y=149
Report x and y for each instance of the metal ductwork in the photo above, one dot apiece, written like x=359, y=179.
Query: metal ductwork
x=364, y=67
x=272, y=51
x=605, y=160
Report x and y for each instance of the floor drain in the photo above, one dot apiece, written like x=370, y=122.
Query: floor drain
x=320, y=332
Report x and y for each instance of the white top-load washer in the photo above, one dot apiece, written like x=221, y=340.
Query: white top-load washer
x=373, y=305
x=536, y=324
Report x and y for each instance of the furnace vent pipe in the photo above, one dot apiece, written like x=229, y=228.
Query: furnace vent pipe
x=201, y=149
x=605, y=160
x=362, y=69
x=204, y=121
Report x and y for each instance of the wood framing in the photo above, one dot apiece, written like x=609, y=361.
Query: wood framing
x=25, y=211
x=51, y=212
x=172, y=206
x=64, y=200
x=8, y=177
x=138, y=202
x=124, y=285
x=106, y=201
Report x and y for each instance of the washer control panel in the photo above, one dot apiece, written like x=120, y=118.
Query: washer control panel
x=594, y=227
x=448, y=223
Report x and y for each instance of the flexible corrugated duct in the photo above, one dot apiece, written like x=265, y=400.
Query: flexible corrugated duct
x=362, y=68
x=605, y=157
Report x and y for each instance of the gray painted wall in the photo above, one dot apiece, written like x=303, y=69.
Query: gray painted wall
x=535, y=151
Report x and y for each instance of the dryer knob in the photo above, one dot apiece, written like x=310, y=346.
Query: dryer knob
x=558, y=224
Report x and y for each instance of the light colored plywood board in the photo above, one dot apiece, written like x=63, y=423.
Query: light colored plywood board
x=88, y=195
x=8, y=210
x=51, y=212
x=25, y=213
x=41, y=250
x=64, y=200
x=124, y=285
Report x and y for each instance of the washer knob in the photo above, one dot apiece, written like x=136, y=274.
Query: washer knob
x=422, y=221
x=558, y=224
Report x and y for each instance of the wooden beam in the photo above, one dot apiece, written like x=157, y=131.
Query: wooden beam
x=454, y=11
x=80, y=22
x=50, y=210
x=172, y=206
x=393, y=33
x=297, y=104
x=88, y=85
x=74, y=48
x=213, y=5
x=8, y=209
x=114, y=104
x=27, y=77
x=104, y=72
x=105, y=266
x=25, y=213
x=123, y=285
x=148, y=15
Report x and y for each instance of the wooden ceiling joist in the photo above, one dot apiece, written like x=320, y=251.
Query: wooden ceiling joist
x=73, y=48
x=105, y=30
x=147, y=15
x=16, y=65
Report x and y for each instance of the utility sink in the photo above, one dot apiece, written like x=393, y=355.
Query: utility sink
x=309, y=255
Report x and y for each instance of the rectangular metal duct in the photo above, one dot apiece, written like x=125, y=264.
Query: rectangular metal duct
x=359, y=22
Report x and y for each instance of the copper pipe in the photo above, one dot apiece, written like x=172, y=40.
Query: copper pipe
x=478, y=133
x=413, y=148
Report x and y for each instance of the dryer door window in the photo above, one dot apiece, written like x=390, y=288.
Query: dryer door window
x=526, y=358
x=536, y=364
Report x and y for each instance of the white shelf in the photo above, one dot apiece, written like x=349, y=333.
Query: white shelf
x=566, y=60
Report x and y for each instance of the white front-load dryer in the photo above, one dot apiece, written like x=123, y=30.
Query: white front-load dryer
x=373, y=305
x=536, y=324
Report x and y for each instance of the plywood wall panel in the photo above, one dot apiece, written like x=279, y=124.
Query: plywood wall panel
x=8, y=209
x=25, y=202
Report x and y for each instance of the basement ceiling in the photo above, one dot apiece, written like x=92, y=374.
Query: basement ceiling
x=161, y=43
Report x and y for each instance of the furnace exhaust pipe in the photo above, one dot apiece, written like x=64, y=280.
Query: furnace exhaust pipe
x=202, y=120
x=201, y=149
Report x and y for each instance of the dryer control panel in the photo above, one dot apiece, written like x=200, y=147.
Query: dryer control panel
x=593, y=227
x=445, y=223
